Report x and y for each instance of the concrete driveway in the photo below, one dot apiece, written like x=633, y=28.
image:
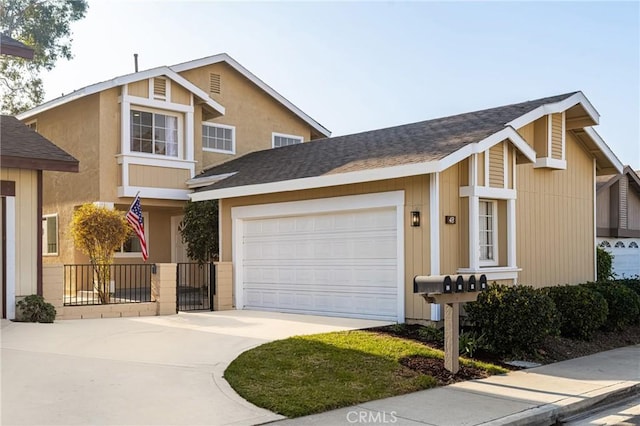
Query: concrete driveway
x=140, y=371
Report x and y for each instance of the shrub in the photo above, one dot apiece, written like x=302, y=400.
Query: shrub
x=431, y=334
x=581, y=310
x=631, y=283
x=514, y=319
x=471, y=341
x=624, y=304
x=605, y=268
x=34, y=309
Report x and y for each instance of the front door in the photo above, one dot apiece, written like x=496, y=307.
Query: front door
x=178, y=248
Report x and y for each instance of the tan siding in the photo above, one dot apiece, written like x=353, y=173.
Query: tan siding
x=541, y=137
x=496, y=166
x=480, y=170
x=254, y=114
x=602, y=208
x=180, y=95
x=509, y=165
x=449, y=206
x=527, y=133
x=139, y=88
x=556, y=136
x=554, y=221
x=502, y=233
x=417, y=249
x=26, y=228
x=157, y=177
x=463, y=166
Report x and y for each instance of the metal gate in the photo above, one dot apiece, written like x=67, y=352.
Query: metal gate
x=195, y=286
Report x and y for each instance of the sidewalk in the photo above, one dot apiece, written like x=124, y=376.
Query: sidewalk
x=536, y=396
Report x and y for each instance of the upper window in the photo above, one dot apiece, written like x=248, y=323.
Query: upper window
x=154, y=133
x=488, y=233
x=219, y=138
x=50, y=234
x=284, y=140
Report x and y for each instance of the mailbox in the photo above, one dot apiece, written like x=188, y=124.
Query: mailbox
x=460, y=284
x=432, y=284
x=482, y=282
x=471, y=283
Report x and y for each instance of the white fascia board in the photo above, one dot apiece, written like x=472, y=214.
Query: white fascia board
x=478, y=147
x=318, y=181
x=198, y=182
x=488, y=192
x=223, y=57
x=120, y=81
x=561, y=106
x=551, y=163
x=602, y=145
x=160, y=193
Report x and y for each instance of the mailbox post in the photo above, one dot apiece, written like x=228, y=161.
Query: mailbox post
x=443, y=289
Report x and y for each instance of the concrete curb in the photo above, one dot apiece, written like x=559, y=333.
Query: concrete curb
x=549, y=414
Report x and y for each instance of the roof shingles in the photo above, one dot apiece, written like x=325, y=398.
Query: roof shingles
x=413, y=143
x=22, y=147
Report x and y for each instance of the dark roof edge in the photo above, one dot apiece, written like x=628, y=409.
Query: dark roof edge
x=9, y=161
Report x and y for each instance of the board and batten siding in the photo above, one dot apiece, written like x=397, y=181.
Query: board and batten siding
x=554, y=220
x=416, y=239
x=26, y=229
x=157, y=177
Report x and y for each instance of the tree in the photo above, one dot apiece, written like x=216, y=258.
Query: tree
x=43, y=25
x=199, y=230
x=605, y=265
x=99, y=232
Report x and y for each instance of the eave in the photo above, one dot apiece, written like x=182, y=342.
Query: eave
x=8, y=161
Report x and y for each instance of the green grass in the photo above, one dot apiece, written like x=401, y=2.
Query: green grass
x=310, y=374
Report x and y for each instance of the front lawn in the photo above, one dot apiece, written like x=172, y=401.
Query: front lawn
x=310, y=374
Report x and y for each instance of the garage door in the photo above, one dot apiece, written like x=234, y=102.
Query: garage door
x=336, y=263
x=626, y=255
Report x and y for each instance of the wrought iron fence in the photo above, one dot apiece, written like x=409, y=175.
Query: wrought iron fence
x=195, y=286
x=107, y=284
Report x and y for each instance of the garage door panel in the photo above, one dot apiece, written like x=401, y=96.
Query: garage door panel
x=342, y=264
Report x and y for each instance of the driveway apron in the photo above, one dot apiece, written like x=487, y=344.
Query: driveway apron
x=140, y=371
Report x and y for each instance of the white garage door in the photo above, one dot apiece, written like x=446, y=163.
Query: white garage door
x=626, y=255
x=335, y=263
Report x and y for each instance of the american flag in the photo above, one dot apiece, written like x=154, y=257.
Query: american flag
x=134, y=217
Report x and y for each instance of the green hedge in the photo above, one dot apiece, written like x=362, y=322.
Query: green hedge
x=623, y=303
x=514, y=319
x=581, y=310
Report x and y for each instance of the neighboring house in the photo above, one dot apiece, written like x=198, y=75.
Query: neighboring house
x=24, y=155
x=151, y=132
x=618, y=220
x=327, y=227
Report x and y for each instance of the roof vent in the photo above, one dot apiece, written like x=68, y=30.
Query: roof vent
x=214, y=83
x=160, y=88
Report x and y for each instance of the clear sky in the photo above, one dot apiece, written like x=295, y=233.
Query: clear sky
x=356, y=66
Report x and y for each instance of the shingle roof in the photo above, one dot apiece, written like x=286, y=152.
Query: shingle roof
x=23, y=147
x=420, y=142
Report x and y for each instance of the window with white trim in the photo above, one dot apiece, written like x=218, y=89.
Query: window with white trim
x=131, y=247
x=488, y=232
x=219, y=138
x=154, y=133
x=280, y=140
x=50, y=235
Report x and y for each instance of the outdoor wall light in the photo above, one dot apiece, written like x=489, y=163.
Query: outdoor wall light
x=415, y=218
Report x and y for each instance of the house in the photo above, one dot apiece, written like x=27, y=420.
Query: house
x=341, y=226
x=618, y=219
x=24, y=156
x=150, y=132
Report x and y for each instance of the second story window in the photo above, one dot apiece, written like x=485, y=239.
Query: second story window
x=218, y=138
x=284, y=140
x=154, y=133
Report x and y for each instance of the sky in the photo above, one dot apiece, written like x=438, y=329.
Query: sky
x=356, y=66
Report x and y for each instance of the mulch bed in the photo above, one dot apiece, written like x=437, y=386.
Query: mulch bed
x=435, y=368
